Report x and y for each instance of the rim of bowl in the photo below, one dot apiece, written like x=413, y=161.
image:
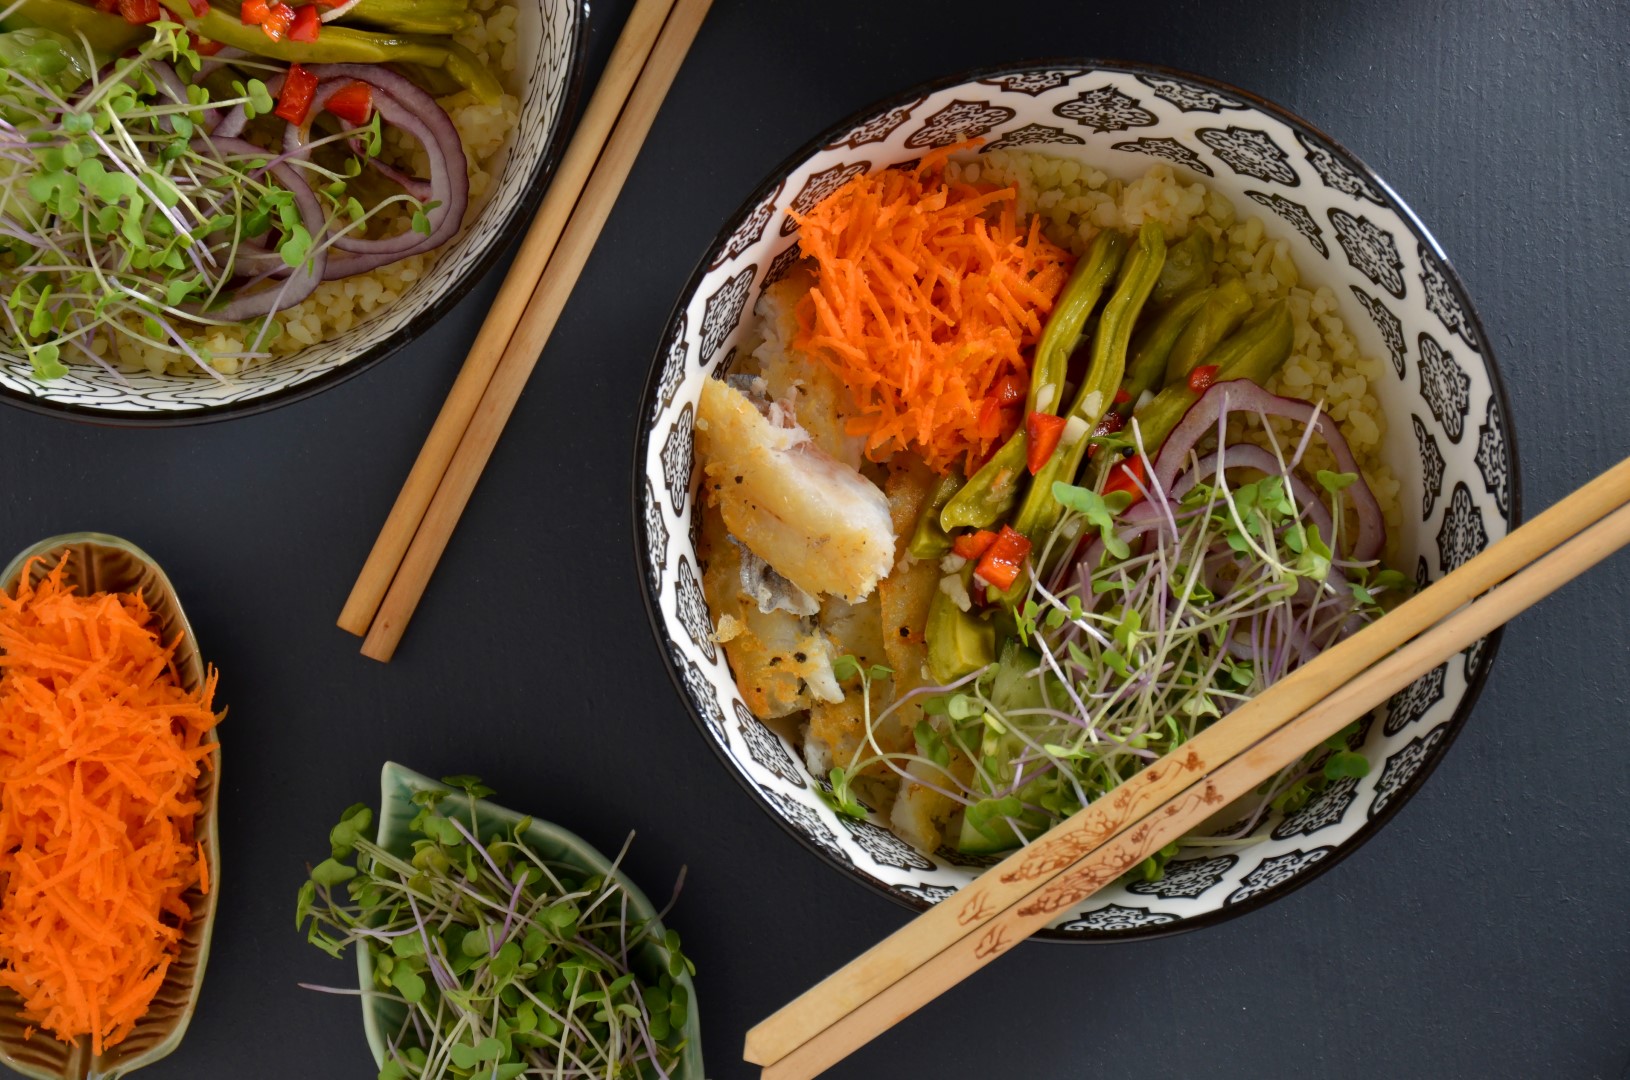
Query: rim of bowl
x=1394, y=202
x=502, y=240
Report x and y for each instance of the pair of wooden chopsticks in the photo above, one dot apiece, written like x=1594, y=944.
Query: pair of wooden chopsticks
x=647, y=55
x=1171, y=797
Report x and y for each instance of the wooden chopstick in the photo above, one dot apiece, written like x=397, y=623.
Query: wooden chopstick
x=542, y=311
x=829, y=1019
x=628, y=57
x=1038, y=907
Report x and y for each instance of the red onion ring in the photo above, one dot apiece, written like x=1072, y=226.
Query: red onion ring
x=405, y=105
x=1243, y=394
x=301, y=280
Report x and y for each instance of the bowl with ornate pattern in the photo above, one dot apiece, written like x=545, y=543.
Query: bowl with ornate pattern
x=1447, y=444
x=536, y=50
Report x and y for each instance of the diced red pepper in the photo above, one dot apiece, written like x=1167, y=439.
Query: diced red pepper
x=279, y=17
x=252, y=12
x=294, y=103
x=1126, y=477
x=140, y=12
x=353, y=103
x=200, y=8
x=204, y=46
x=1000, y=565
x=1043, y=431
x=972, y=545
x=306, y=23
x=1201, y=378
x=1122, y=397
x=1010, y=390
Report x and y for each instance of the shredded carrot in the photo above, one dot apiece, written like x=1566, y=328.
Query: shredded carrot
x=100, y=753
x=927, y=295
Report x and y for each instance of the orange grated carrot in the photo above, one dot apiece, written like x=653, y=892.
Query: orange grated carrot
x=100, y=752
x=927, y=294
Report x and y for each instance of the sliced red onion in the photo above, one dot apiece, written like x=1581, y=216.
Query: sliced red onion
x=231, y=124
x=1244, y=395
x=302, y=280
x=405, y=105
x=416, y=186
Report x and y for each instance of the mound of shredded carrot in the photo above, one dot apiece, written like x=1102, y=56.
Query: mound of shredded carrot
x=100, y=752
x=927, y=295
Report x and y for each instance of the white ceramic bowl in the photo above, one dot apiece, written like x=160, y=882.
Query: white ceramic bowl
x=551, y=36
x=1448, y=441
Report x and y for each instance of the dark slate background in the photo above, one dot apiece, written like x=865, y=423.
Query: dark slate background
x=1483, y=933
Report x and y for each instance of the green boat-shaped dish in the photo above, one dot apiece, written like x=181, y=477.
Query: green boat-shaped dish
x=397, y=788
x=101, y=563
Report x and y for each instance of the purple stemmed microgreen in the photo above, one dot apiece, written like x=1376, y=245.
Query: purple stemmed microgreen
x=125, y=230
x=501, y=963
x=1148, y=624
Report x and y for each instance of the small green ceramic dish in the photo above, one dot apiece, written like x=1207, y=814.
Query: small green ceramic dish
x=101, y=563
x=397, y=788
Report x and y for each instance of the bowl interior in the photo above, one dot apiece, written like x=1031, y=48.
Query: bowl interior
x=398, y=785
x=101, y=563
x=1447, y=442
x=549, y=42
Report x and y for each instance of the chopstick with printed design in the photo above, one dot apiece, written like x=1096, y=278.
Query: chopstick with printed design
x=1094, y=847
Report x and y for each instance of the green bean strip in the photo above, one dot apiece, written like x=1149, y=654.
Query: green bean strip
x=1146, y=370
x=1255, y=352
x=1221, y=316
x=1040, y=510
x=1188, y=267
x=414, y=16
x=929, y=539
x=341, y=45
x=990, y=493
x=108, y=35
x=1091, y=276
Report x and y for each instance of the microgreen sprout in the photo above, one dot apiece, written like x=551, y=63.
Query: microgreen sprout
x=125, y=228
x=1171, y=614
x=499, y=962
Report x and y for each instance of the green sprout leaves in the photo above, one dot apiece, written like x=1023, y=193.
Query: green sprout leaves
x=500, y=956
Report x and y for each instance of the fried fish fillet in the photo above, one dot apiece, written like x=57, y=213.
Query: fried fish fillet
x=818, y=522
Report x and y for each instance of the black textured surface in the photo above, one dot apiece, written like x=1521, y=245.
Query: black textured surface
x=1481, y=934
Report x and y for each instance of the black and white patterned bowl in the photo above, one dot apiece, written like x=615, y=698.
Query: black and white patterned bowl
x=551, y=38
x=1348, y=230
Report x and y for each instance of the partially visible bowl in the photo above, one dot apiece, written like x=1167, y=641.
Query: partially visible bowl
x=551, y=40
x=1347, y=229
x=101, y=563
x=398, y=785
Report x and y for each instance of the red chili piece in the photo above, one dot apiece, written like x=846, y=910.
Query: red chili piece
x=972, y=545
x=294, y=103
x=1010, y=390
x=353, y=103
x=307, y=23
x=1126, y=477
x=1001, y=564
x=1201, y=378
x=140, y=12
x=1043, y=431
